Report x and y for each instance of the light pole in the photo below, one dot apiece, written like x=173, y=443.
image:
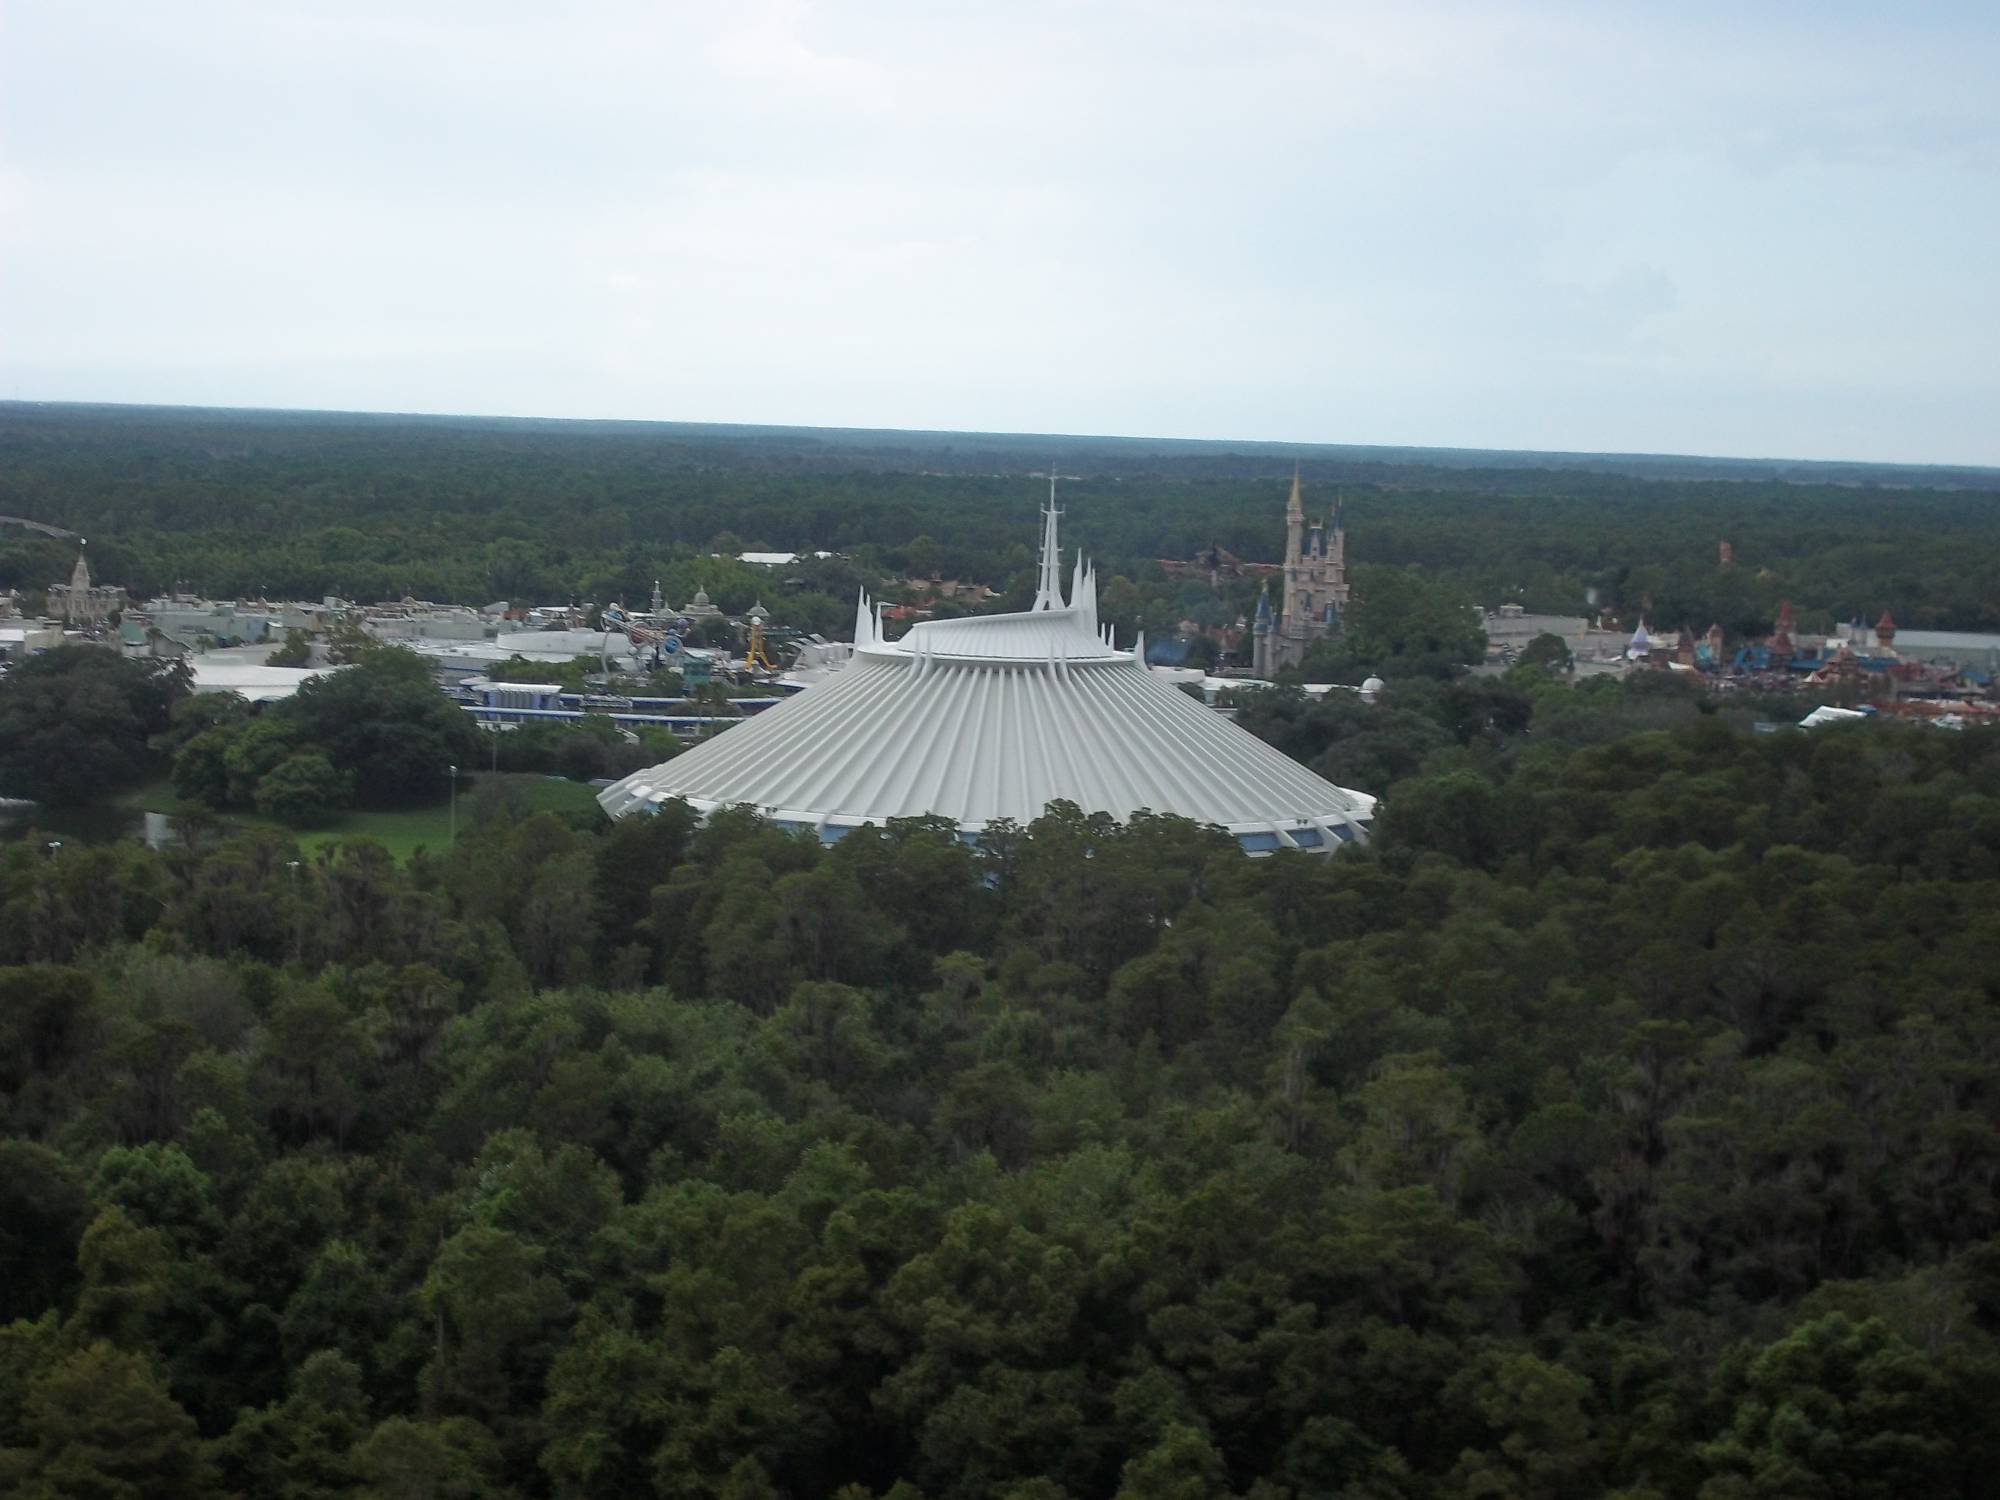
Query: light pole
x=298, y=917
x=55, y=847
x=454, y=805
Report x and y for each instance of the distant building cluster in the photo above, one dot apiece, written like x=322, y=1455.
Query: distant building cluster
x=226, y=644
x=1911, y=673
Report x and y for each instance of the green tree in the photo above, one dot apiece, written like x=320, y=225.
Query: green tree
x=1834, y=1408
x=303, y=788
x=201, y=765
x=303, y=1447
x=105, y=1429
x=1403, y=623
x=384, y=723
x=497, y=1313
x=129, y=1275
x=76, y=723
x=1183, y=1465
x=296, y=652
x=455, y=1459
x=1545, y=653
x=256, y=748
x=42, y=1216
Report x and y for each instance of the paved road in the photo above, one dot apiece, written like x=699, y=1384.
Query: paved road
x=42, y=526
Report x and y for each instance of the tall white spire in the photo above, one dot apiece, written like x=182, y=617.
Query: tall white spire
x=1048, y=588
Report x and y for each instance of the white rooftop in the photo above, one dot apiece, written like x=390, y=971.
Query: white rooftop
x=216, y=673
x=556, y=645
x=994, y=717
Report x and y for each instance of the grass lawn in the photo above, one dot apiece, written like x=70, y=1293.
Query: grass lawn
x=403, y=831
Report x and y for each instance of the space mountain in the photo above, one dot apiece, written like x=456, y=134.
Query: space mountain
x=994, y=717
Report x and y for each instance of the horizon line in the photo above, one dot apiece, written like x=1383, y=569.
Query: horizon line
x=1288, y=445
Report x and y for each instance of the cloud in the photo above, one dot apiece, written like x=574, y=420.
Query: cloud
x=767, y=45
x=1426, y=221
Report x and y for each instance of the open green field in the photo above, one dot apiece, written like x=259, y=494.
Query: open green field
x=403, y=831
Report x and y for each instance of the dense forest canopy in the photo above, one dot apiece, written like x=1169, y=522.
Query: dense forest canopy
x=469, y=510
x=1625, y=1121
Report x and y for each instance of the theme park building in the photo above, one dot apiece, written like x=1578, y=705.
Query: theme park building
x=993, y=717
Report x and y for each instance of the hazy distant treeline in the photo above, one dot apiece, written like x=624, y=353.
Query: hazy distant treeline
x=478, y=509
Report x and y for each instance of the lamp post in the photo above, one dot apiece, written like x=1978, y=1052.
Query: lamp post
x=453, y=770
x=298, y=917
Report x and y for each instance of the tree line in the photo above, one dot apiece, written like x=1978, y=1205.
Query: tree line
x=239, y=504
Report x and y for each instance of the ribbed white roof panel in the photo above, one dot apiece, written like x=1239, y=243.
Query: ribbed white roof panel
x=900, y=736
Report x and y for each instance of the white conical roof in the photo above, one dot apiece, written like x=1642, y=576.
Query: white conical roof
x=996, y=716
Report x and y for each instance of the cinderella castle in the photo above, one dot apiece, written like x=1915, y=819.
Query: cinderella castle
x=1315, y=590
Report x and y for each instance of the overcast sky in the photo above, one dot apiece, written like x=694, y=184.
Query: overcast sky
x=1763, y=228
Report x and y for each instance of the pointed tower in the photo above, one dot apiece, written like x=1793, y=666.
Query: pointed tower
x=1333, y=571
x=1048, y=585
x=1295, y=524
x=80, y=603
x=1260, y=635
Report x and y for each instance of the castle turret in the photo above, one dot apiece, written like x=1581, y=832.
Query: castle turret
x=1295, y=521
x=1260, y=631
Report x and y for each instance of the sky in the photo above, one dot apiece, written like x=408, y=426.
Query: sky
x=1764, y=229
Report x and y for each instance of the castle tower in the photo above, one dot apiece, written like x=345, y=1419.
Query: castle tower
x=1315, y=583
x=81, y=604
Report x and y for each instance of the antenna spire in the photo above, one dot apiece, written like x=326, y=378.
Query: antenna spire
x=1048, y=588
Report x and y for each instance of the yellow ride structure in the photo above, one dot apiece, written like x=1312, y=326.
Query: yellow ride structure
x=755, y=657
